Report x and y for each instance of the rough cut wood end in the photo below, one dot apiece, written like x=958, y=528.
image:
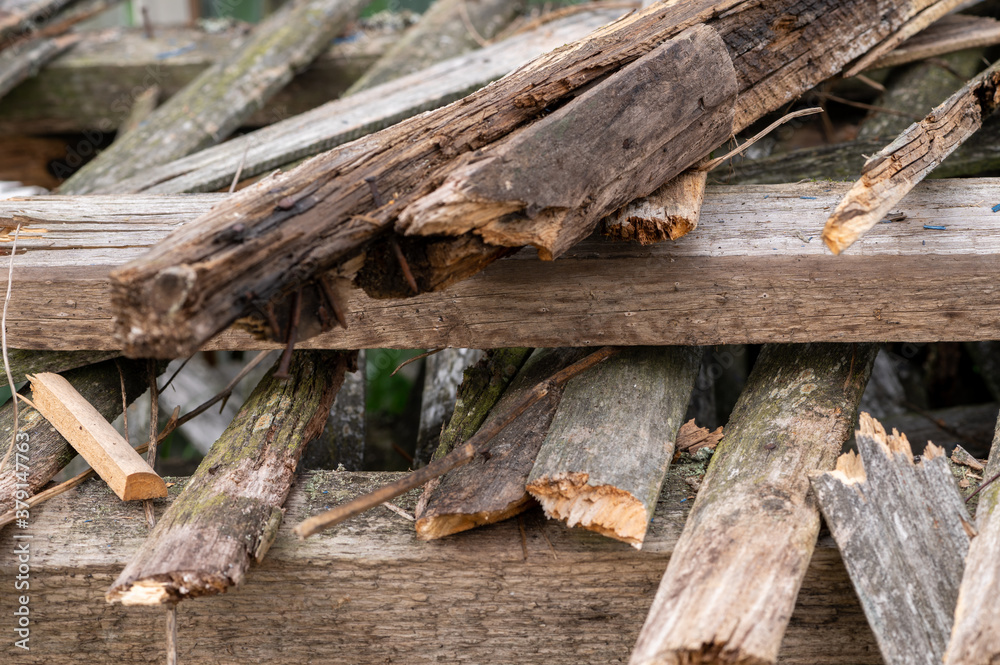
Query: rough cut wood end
x=169, y=588
x=439, y=526
x=605, y=509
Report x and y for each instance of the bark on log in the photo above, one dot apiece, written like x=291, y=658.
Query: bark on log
x=444, y=371
x=442, y=32
x=889, y=175
x=342, y=443
x=472, y=597
x=49, y=452
x=215, y=103
x=612, y=439
x=491, y=489
x=735, y=280
x=903, y=531
x=230, y=511
x=754, y=524
x=23, y=62
x=975, y=636
x=670, y=212
x=163, y=304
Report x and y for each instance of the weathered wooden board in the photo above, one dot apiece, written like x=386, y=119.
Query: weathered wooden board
x=753, y=271
x=950, y=33
x=368, y=591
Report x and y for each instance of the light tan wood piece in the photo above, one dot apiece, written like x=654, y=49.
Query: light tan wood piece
x=670, y=212
x=114, y=460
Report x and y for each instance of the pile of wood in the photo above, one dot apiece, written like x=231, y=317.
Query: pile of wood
x=453, y=168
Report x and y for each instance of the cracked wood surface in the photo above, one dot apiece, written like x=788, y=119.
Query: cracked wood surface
x=368, y=590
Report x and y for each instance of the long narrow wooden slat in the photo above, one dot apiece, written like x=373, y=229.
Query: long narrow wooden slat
x=754, y=271
x=948, y=34
x=369, y=590
x=731, y=586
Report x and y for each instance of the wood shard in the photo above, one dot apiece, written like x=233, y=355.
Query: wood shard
x=612, y=440
x=670, y=212
x=111, y=456
x=902, y=530
x=692, y=438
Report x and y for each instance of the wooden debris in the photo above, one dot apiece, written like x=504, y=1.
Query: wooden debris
x=954, y=32
x=903, y=531
x=607, y=452
x=491, y=487
x=18, y=16
x=24, y=362
x=975, y=637
x=670, y=212
x=144, y=104
x=214, y=104
x=230, y=511
x=20, y=63
x=326, y=207
x=443, y=375
x=342, y=443
x=49, y=452
x=691, y=438
x=111, y=456
x=754, y=524
x=888, y=176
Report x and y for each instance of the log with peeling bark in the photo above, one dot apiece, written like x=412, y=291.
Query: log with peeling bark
x=491, y=487
x=21, y=62
x=903, y=531
x=212, y=106
x=890, y=175
x=443, y=375
x=670, y=212
x=417, y=176
x=49, y=452
x=612, y=439
x=975, y=637
x=443, y=31
x=230, y=511
x=754, y=524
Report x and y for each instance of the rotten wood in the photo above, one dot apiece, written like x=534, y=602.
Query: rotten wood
x=100, y=444
x=468, y=597
x=443, y=375
x=22, y=62
x=212, y=106
x=48, y=451
x=754, y=524
x=903, y=531
x=171, y=300
x=491, y=487
x=610, y=444
x=890, y=175
x=670, y=212
x=230, y=510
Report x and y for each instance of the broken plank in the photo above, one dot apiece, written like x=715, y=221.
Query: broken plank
x=607, y=451
x=903, y=531
x=100, y=444
x=212, y=106
x=754, y=524
x=491, y=487
x=470, y=597
x=230, y=510
x=329, y=207
x=889, y=175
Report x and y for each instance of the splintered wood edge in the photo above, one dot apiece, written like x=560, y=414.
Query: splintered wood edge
x=170, y=588
x=446, y=524
x=851, y=467
x=605, y=509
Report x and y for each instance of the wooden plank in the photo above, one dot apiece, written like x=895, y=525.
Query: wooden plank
x=731, y=585
x=754, y=271
x=212, y=106
x=903, y=531
x=110, y=455
x=330, y=207
x=954, y=32
x=889, y=175
x=229, y=512
x=607, y=451
x=473, y=597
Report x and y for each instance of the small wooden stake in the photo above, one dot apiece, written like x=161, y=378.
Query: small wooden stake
x=114, y=460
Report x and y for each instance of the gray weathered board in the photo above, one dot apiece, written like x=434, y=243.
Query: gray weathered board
x=754, y=270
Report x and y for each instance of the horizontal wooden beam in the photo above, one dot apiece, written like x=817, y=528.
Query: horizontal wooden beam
x=368, y=592
x=754, y=271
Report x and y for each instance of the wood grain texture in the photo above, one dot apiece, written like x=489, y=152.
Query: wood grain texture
x=212, y=106
x=954, y=32
x=975, y=636
x=903, y=531
x=605, y=456
x=329, y=208
x=368, y=590
x=48, y=451
x=887, y=176
x=492, y=488
x=100, y=444
x=754, y=525
x=443, y=374
x=741, y=276
x=229, y=512
x=670, y=212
